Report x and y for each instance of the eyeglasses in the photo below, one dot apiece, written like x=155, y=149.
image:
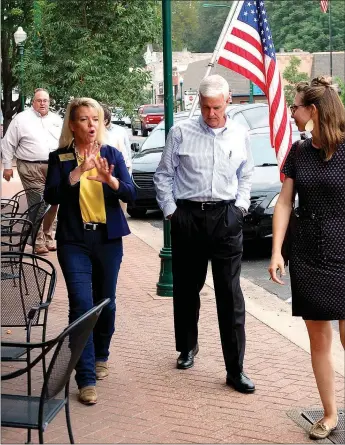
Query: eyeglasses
x=42, y=101
x=293, y=108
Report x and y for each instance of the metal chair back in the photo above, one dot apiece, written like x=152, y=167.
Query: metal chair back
x=27, y=281
x=9, y=206
x=15, y=233
x=27, y=198
x=68, y=348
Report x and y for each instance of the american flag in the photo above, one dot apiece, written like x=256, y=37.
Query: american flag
x=324, y=5
x=248, y=49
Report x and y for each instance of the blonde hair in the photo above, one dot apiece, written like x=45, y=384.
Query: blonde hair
x=324, y=95
x=66, y=137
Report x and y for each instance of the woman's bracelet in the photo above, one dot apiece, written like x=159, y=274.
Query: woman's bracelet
x=71, y=180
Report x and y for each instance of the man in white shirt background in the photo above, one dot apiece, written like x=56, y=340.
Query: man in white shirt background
x=117, y=137
x=30, y=137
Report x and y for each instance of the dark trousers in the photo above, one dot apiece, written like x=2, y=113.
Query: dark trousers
x=197, y=236
x=90, y=270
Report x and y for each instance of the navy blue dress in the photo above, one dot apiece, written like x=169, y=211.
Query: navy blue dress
x=317, y=263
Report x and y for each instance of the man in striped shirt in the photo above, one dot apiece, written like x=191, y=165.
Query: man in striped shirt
x=203, y=186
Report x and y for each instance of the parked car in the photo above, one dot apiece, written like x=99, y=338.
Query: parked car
x=147, y=118
x=119, y=118
x=266, y=179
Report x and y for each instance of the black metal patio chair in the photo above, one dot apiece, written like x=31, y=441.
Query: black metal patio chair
x=9, y=206
x=35, y=214
x=27, y=288
x=36, y=412
x=15, y=234
x=25, y=198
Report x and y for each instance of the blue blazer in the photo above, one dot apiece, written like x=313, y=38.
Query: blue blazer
x=58, y=190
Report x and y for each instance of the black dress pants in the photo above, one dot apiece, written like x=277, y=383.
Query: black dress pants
x=196, y=236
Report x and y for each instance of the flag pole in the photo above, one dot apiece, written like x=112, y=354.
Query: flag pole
x=216, y=50
x=330, y=39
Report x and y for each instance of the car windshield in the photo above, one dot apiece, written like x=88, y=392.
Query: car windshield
x=157, y=137
x=257, y=117
x=149, y=110
x=263, y=154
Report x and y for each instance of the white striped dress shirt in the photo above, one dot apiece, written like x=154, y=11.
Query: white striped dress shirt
x=199, y=165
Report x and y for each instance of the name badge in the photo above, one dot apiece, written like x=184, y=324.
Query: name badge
x=66, y=157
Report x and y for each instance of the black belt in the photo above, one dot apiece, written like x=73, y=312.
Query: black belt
x=34, y=162
x=206, y=205
x=93, y=226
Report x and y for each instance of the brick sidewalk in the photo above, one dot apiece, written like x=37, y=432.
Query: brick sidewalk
x=146, y=400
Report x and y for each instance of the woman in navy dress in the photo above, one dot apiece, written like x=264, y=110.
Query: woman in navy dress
x=315, y=169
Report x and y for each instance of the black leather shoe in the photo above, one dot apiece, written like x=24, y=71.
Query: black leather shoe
x=240, y=382
x=186, y=359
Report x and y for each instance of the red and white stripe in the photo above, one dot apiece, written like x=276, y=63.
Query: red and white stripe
x=242, y=51
x=324, y=5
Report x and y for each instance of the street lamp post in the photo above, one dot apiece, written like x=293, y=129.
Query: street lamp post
x=251, y=92
x=181, y=92
x=20, y=37
x=165, y=283
x=152, y=94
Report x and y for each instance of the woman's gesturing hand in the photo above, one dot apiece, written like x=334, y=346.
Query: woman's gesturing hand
x=104, y=173
x=89, y=157
x=277, y=264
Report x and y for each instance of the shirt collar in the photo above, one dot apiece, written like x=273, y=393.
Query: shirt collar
x=39, y=114
x=209, y=129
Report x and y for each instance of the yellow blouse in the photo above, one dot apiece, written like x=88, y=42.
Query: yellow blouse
x=91, y=198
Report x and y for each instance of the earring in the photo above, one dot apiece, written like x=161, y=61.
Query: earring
x=309, y=126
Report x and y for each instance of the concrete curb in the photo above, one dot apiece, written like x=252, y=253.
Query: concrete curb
x=261, y=304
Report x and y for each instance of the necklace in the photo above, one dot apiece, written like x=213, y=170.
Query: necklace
x=79, y=157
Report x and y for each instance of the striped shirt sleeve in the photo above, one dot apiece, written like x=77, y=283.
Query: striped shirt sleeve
x=165, y=173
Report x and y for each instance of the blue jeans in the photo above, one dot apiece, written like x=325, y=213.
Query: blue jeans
x=90, y=270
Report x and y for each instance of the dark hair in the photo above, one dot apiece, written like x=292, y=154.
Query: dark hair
x=324, y=95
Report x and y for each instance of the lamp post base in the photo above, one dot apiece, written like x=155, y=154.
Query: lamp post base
x=165, y=284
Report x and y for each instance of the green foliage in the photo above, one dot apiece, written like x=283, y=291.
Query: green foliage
x=341, y=86
x=303, y=25
x=184, y=23
x=14, y=13
x=292, y=75
x=88, y=48
x=293, y=24
x=210, y=23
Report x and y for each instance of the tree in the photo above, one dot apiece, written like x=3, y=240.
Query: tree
x=211, y=21
x=92, y=48
x=294, y=25
x=304, y=26
x=14, y=13
x=184, y=24
x=341, y=85
x=293, y=76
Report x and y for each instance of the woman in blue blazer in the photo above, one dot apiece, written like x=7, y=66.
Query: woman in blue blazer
x=87, y=179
